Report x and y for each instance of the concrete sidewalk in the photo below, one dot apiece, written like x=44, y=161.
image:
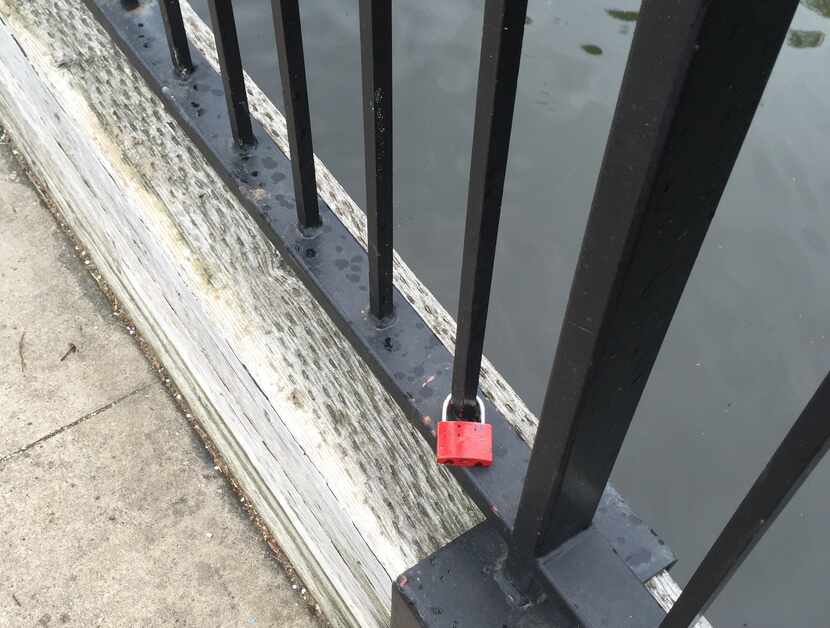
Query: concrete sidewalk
x=111, y=511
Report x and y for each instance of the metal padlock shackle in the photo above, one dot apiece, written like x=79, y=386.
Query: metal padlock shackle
x=446, y=407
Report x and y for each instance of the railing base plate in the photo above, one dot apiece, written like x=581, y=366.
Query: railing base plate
x=586, y=585
x=455, y=588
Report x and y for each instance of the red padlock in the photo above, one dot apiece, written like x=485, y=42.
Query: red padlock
x=464, y=443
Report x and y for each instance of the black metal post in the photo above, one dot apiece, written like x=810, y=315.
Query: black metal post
x=171, y=13
x=800, y=451
x=695, y=75
x=376, y=64
x=289, y=36
x=501, y=49
x=230, y=61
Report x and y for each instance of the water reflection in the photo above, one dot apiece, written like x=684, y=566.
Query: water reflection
x=796, y=38
x=623, y=16
x=822, y=7
x=805, y=39
x=626, y=17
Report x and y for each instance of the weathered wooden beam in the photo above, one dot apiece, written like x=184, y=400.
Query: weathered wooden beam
x=350, y=491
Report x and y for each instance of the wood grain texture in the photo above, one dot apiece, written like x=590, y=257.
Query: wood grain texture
x=347, y=487
x=666, y=591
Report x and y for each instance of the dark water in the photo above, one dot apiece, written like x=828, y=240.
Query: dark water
x=750, y=340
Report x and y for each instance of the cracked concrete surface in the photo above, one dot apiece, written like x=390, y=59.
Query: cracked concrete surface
x=111, y=511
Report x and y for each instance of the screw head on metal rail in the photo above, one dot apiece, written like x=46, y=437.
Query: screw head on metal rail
x=464, y=443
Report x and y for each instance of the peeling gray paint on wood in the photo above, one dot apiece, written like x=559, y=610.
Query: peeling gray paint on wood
x=347, y=487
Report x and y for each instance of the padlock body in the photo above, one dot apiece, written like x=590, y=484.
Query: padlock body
x=464, y=444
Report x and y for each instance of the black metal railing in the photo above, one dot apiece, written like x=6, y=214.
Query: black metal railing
x=298, y=120
x=376, y=62
x=560, y=547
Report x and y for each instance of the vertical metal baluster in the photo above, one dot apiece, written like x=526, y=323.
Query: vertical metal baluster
x=230, y=61
x=695, y=75
x=801, y=450
x=288, y=31
x=501, y=48
x=376, y=64
x=171, y=13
